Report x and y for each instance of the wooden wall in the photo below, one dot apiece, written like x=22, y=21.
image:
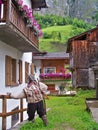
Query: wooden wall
x=80, y=54
x=58, y=63
x=84, y=53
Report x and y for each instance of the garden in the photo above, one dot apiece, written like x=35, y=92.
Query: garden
x=66, y=113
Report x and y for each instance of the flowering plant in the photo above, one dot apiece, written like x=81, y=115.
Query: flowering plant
x=27, y=13
x=55, y=75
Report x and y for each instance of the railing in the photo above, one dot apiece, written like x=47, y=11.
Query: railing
x=4, y=114
x=11, y=15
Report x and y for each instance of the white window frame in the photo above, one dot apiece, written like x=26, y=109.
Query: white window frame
x=49, y=70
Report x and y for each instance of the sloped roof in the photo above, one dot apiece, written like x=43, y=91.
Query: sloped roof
x=81, y=36
x=39, y=4
x=51, y=55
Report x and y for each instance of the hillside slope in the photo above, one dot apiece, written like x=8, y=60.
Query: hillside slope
x=55, y=37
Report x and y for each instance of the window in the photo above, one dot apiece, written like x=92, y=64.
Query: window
x=15, y=117
x=50, y=70
x=10, y=71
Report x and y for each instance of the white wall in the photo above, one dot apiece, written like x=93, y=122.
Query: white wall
x=14, y=53
x=27, y=2
x=37, y=63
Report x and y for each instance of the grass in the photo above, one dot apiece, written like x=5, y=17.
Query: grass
x=54, y=44
x=64, y=30
x=66, y=113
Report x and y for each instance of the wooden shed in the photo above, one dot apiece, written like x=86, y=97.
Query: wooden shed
x=83, y=53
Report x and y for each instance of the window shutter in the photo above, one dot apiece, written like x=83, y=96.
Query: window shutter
x=8, y=70
x=20, y=72
x=26, y=71
x=32, y=69
x=13, y=71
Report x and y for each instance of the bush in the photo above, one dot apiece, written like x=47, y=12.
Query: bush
x=46, y=35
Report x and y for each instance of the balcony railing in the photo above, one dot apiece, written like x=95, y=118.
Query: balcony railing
x=13, y=28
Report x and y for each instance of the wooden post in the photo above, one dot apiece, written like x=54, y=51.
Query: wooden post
x=21, y=108
x=4, y=112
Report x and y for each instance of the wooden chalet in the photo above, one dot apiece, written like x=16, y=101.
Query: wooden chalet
x=50, y=68
x=83, y=53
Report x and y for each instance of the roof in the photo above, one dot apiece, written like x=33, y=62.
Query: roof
x=51, y=55
x=39, y=4
x=81, y=36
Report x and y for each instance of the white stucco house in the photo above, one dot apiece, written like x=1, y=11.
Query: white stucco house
x=18, y=39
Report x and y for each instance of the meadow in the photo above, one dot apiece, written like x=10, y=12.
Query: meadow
x=66, y=113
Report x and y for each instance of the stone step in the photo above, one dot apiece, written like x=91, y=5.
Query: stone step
x=94, y=112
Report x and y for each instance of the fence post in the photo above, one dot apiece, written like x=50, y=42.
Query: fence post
x=4, y=112
x=21, y=107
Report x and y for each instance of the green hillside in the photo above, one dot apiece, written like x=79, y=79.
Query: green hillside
x=57, y=30
x=55, y=37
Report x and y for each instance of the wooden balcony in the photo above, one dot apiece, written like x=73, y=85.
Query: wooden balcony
x=14, y=31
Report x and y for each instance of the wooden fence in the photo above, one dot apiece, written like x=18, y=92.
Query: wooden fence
x=4, y=114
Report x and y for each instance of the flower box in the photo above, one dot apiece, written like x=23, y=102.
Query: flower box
x=55, y=76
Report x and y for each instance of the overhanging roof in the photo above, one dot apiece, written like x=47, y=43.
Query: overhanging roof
x=39, y=4
x=51, y=55
x=81, y=36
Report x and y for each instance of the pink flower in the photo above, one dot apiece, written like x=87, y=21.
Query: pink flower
x=20, y=2
x=55, y=75
x=30, y=10
x=29, y=15
x=0, y=1
x=34, y=22
x=25, y=8
x=37, y=26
